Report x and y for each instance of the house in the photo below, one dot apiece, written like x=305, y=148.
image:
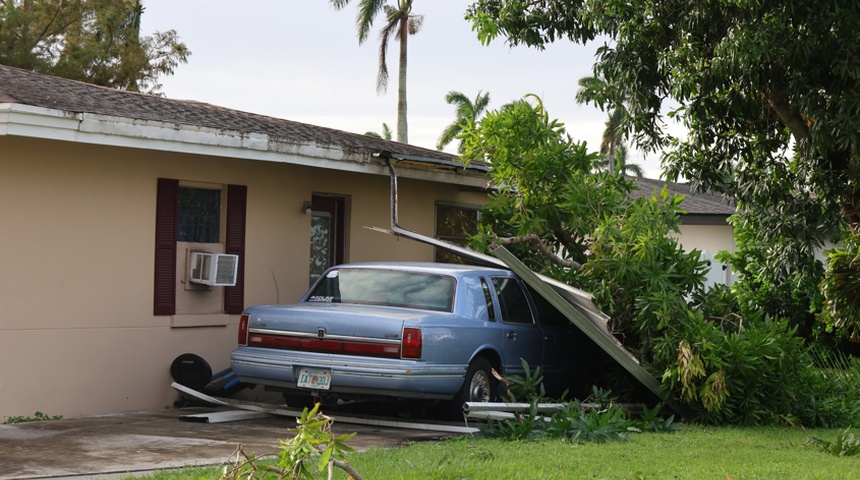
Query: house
x=111, y=200
x=704, y=226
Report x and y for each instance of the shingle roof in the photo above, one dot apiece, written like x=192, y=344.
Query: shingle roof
x=39, y=90
x=695, y=203
x=35, y=89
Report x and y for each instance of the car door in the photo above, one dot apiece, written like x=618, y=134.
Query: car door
x=562, y=352
x=522, y=338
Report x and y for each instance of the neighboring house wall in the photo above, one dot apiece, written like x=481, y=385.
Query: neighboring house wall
x=707, y=238
x=710, y=240
x=704, y=226
x=78, y=334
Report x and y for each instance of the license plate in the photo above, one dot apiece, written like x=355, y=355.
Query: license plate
x=316, y=379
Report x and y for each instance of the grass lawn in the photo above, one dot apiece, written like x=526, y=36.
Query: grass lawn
x=693, y=452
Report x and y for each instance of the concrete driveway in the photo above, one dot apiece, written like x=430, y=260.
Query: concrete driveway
x=113, y=446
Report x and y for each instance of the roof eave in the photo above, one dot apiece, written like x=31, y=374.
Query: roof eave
x=96, y=129
x=705, y=219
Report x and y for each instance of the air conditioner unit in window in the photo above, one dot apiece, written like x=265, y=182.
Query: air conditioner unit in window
x=215, y=269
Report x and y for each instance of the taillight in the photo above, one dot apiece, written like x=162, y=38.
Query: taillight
x=411, y=343
x=243, y=330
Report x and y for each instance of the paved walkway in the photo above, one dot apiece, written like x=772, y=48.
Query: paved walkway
x=115, y=446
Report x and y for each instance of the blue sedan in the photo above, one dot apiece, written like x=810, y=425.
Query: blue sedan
x=405, y=330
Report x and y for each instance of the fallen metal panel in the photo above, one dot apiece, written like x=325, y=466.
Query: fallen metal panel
x=577, y=305
x=378, y=422
x=471, y=407
x=580, y=298
x=496, y=415
x=601, y=336
x=471, y=255
x=224, y=417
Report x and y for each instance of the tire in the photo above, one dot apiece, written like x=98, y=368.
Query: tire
x=478, y=386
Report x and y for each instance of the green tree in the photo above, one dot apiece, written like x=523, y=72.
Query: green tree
x=400, y=22
x=768, y=91
x=468, y=113
x=581, y=227
x=95, y=41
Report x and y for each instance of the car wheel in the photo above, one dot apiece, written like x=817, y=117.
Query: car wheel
x=478, y=386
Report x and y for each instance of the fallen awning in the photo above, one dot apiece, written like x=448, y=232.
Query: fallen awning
x=575, y=304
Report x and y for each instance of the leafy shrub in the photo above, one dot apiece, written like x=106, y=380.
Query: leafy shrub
x=846, y=444
x=313, y=442
x=598, y=425
x=755, y=372
x=577, y=421
x=524, y=426
x=523, y=388
x=37, y=417
x=841, y=289
x=651, y=420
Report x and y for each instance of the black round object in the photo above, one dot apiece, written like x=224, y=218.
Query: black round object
x=191, y=371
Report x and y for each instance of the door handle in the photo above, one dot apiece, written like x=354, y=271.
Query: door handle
x=512, y=335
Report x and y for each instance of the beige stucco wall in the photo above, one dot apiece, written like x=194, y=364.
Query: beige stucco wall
x=77, y=332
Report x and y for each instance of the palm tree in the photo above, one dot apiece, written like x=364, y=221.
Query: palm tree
x=620, y=163
x=385, y=135
x=613, y=135
x=467, y=114
x=591, y=88
x=400, y=23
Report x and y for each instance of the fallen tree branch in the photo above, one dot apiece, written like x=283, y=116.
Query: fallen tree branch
x=533, y=238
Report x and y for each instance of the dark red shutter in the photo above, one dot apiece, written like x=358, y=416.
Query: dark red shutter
x=237, y=199
x=165, y=247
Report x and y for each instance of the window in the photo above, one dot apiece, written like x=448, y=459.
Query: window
x=386, y=287
x=171, y=201
x=454, y=224
x=548, y=315
x=513, y=301
x=491, y=312
x=199, y=211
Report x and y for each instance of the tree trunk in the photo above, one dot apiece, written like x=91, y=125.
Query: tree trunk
x=402, y=128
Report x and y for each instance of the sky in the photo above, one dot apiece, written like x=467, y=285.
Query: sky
x=300, y=60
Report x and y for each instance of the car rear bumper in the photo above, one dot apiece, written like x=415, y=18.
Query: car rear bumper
x=351, y=375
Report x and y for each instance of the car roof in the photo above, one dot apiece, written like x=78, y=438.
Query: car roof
x=425, y=267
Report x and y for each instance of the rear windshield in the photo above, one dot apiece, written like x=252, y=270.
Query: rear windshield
x=386, y=287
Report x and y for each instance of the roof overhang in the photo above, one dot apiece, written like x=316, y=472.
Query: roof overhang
x=105, y=130
x=705, y=219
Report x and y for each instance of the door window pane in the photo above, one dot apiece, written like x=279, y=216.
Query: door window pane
x=328, y=233
x=321, y=231
x=513, y=301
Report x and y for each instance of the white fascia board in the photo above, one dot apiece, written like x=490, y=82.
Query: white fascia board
x=89, y=128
